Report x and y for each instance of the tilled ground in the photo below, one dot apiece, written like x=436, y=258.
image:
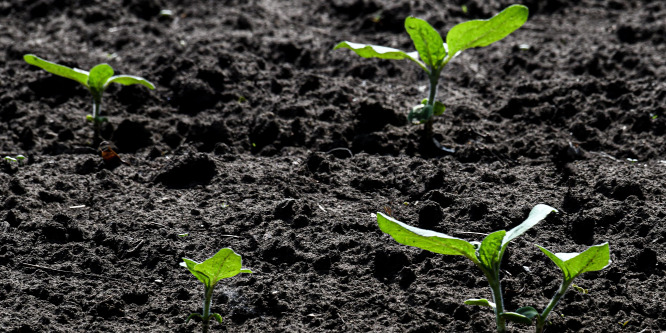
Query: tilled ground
x=261, y=138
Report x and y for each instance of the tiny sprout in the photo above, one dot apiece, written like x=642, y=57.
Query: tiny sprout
x=224, y=264
x=166, y=13
x=16, y=159
x=464, y=9
x=97, y=80
x=183, y=235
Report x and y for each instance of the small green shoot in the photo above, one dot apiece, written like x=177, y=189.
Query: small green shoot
x=16, y=159
x=432, y=54
x=488, y=255
x=224, y=264
x=97, y=80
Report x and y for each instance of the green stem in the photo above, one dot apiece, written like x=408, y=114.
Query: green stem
x=97, y=109
x=432, y=97
x=541, y=321
x=496, y=289
x=206, y=308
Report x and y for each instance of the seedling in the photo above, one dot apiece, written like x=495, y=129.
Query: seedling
x=96, y=81
x=434, y=54
x=224, y=264
x=487, y=255
x=16, y=159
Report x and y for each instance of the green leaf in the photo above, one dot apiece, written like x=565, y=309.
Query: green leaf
x=419, y=114
x=191, y=264
x=480, y=302
x=224, y=264
x=478, y=33
x=538, y=213
x=595, y=258
x=75, y=74
x=428, y=42
x=381, y=52
x=438, y=109
x=425, y=239
x=490, y=250
x=192, y=315
x=128, y=80
x=98, y=77
x=528, y=312
x=516, y=318
x=217, y=317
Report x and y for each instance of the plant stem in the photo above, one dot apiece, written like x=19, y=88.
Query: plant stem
x=541, y=322
x=427, y=126
x=97, y=109
x=496, y=289
x=206, y=308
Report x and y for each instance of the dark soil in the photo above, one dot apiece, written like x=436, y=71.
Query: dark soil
x=261, y=138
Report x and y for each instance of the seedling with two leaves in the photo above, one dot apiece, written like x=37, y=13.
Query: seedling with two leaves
x=487, y=255
x=97, y=80
x=434, y=54
x=224, y=264
x=16, y=159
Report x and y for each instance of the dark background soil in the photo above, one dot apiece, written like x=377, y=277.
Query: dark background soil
x=235, y=146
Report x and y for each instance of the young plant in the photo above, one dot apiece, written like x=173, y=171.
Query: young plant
x=434, y=54
x=96, y=81
x=16, y=159
x=487, y=255
x=224, y=264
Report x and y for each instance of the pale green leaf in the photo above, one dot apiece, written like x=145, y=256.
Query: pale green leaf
x=381, y=52
x=190, y=264
x=98, y=77
x=75, y=74
x=224, y=264
x=516, y=318
x=479, y=33
x=595, y=258
x=480, y=302
x=129, y=80
x=538, y=213
x=428, y=42
x=425, y=239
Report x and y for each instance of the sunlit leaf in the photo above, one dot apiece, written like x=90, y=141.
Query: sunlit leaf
x=478, y=33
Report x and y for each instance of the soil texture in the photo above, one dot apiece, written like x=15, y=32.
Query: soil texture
x=261, y=138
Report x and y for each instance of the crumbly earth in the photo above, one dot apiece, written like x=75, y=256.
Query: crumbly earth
x=261, y=138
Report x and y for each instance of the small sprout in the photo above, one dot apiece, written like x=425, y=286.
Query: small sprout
x=654, y=117
x=166, y=13
x=225, y=205
x=580, y=289
x=464, y=9
x=624, y=323
x=224, y=264
x=487, y=255
x=183, y=235
x=242, y=99
x=97, y=80
x=632, y=160
x=18, y=159
x=432, y=53
x=524, y=47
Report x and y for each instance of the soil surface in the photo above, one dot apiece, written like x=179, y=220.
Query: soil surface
x=261, y=138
